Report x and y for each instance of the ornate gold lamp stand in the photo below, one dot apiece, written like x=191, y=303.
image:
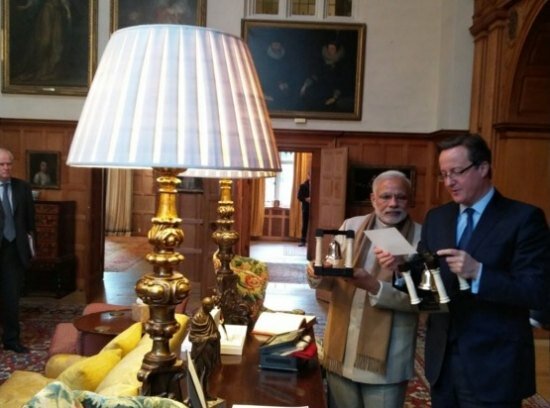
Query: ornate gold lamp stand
x=233, y=307
x=162, y=290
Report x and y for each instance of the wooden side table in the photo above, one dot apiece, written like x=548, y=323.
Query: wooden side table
x=243, y=382
x=97, y=329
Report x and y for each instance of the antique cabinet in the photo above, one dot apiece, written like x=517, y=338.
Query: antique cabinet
x=53, y=268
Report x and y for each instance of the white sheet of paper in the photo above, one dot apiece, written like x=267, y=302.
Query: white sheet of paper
x=391, y=240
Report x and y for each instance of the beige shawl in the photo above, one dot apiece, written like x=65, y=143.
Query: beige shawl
x=375, y=331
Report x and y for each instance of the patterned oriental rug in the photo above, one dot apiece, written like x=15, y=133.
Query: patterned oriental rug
x=38, y=321
x=418, y=391
x=286, y=273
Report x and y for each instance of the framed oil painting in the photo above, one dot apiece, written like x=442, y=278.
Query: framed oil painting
x=360, y=180
x=49, y=46
x=43, y=169
x=309, y=70
x=126, y=13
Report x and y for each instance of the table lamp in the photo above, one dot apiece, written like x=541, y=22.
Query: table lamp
x=176, y=99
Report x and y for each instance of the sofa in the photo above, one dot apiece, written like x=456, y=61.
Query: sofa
x=110, y=373
x=68, y=340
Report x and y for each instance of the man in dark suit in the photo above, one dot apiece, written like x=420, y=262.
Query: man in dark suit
x=481, y=353
x=15, y=251
x=304, y=198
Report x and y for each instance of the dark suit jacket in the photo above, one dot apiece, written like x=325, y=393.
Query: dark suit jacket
x=23, y=213
x=303, y=193
x=492, y=329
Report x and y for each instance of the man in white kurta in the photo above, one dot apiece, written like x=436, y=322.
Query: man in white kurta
x=370, y=338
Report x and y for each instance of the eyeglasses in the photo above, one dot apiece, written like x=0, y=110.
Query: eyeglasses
x=400, y=198
x=454, y=173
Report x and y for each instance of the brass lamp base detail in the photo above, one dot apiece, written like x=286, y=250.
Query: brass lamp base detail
x=233, y=307
x=162, y=290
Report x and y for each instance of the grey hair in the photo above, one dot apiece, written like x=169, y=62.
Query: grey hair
x=10, y=154
x=391, y=174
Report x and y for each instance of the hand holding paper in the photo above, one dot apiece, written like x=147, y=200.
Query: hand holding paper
x=390, y=240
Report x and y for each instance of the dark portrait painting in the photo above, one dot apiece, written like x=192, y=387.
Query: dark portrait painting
x=309, y=70
x=50, y=46
x=43, y=169
x=126, y=13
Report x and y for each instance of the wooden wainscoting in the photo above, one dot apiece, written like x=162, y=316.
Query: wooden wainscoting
x=276, y=224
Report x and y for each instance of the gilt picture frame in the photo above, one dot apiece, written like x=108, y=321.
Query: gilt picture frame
x=309, y=70
x=127, y=13
x=49, y=46
x=43, y=169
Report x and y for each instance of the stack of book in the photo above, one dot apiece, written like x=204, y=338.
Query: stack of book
x=288, y=340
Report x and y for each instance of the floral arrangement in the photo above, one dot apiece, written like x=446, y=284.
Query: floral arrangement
x=253, y=276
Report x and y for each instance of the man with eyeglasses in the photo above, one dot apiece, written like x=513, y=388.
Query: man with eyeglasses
x=481, y=353
x=370, y=337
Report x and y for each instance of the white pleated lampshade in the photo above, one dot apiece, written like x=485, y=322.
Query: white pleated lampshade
x=176, y=96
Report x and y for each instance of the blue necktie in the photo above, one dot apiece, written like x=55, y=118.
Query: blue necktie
x=467, y=234
x=9, y=224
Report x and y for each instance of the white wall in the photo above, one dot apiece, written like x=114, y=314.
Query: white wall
x=417, y=76
x=455, y=75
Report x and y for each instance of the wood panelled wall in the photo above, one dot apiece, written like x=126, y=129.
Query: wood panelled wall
x=20, y=136
x=376, y=149
x=395, y=151
x=85, y=186
x=276, y=224
x=511, y=94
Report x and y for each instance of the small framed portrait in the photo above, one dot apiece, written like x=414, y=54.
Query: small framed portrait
x=43, y=169
x=360, y=180
x=49, y=46
x=127, y=13
x=309, y=70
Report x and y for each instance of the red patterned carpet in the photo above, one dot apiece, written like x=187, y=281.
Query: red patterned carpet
x=418, y=391
x=38, y=321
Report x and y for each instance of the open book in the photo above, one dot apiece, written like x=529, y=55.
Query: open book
x=271, y=323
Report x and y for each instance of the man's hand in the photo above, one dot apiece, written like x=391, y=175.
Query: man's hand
x=310, y=271
x=387, y=260
x=364, y=280
x=460, y=262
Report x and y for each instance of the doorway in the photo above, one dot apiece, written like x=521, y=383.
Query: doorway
x=281, y=228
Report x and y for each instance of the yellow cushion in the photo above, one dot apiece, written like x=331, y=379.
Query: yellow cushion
x=59, y=362
x=122, y=379
x=177, y=338
x=88, y=373
x=127, y=340
x=20, y=387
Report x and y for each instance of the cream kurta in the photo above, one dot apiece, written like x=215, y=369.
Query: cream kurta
x=400, y=361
